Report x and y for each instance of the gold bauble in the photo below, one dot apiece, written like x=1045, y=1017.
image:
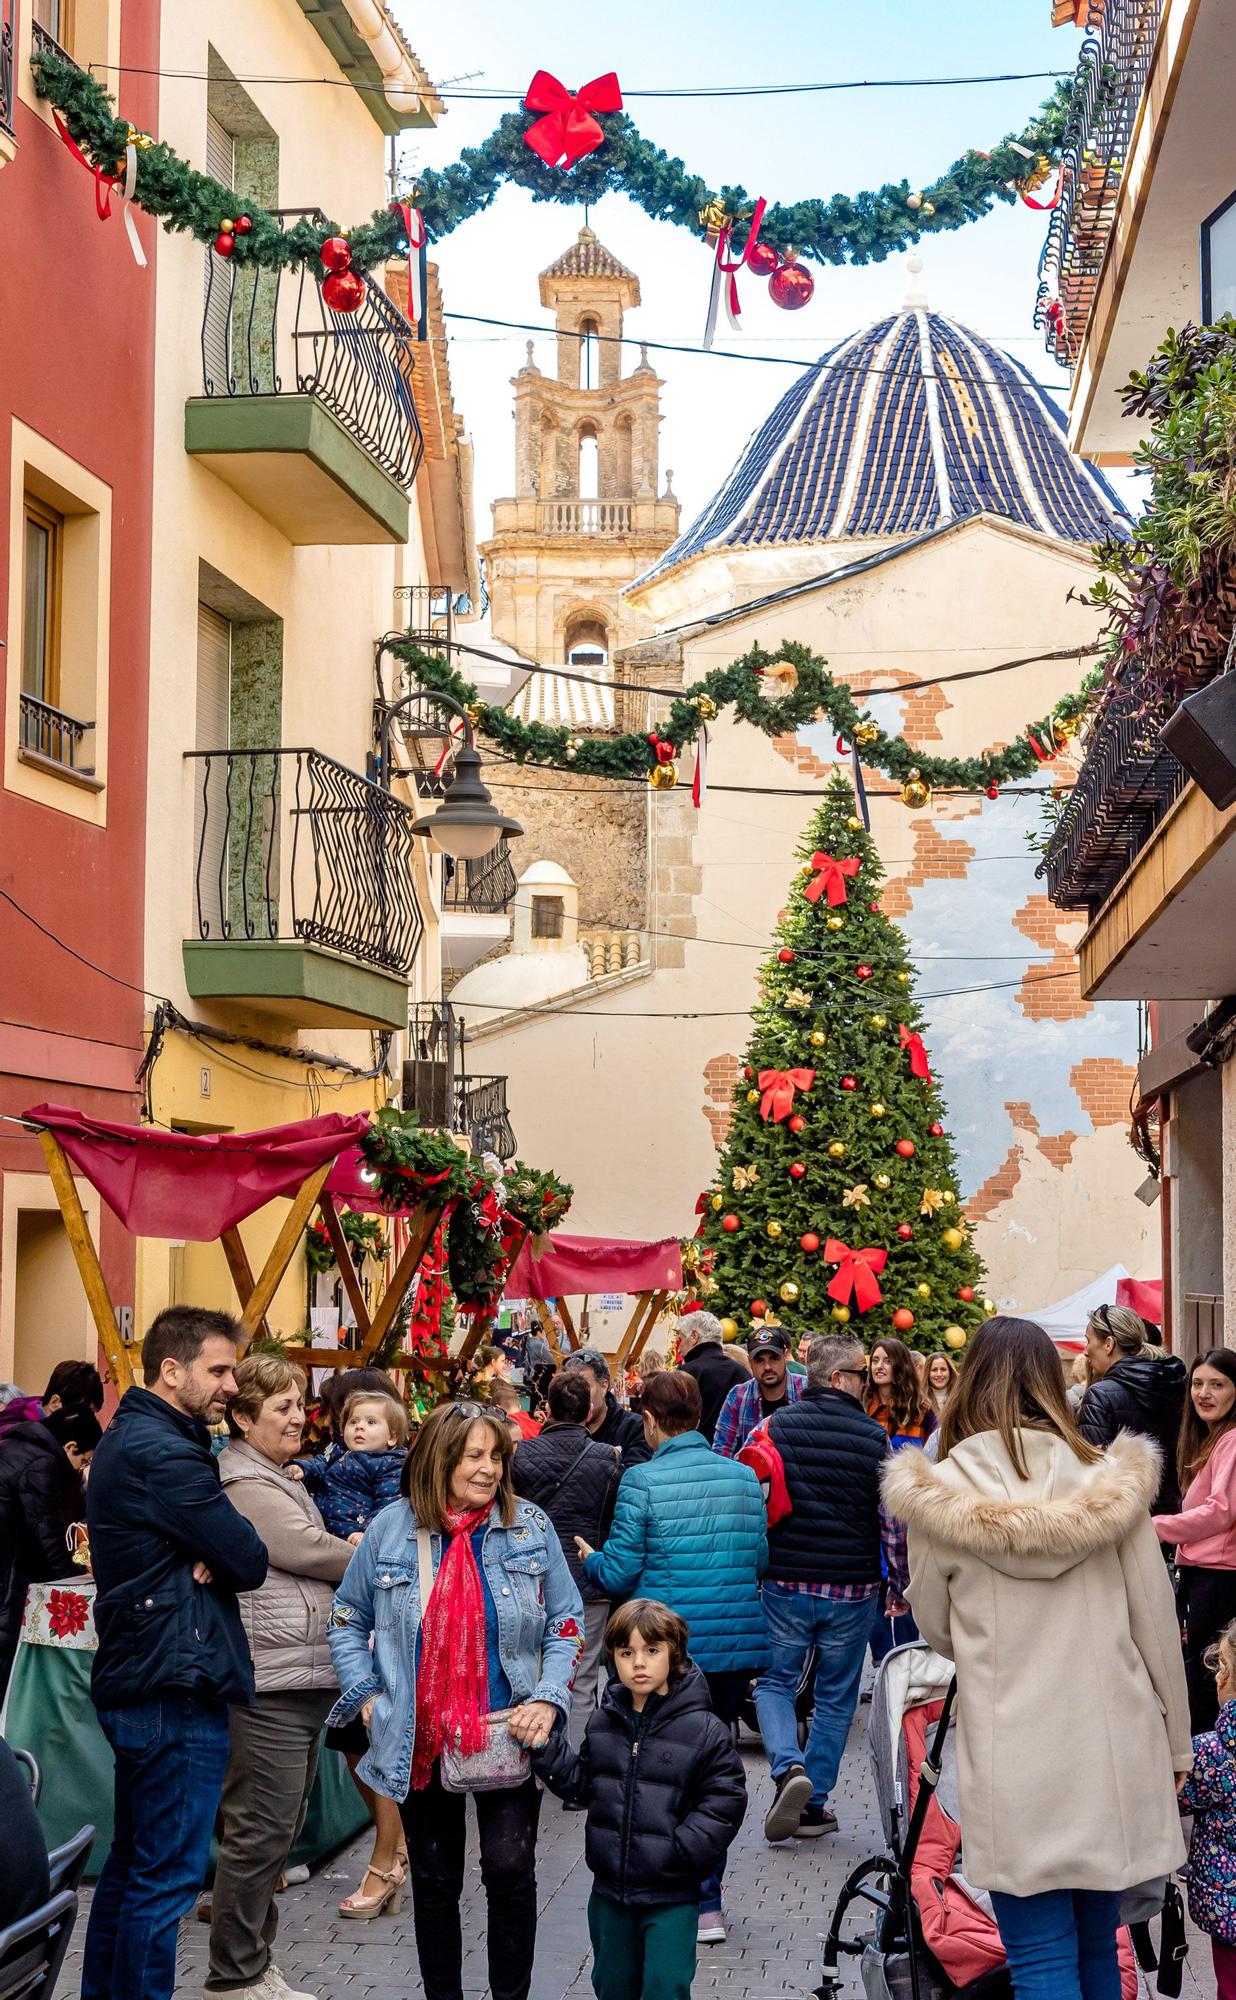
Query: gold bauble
x=836, y=1150
x=877, y=1110
x=947, y=1195
x=989, y=1306
x=663, y=777
x=774, y=1228
x=882, y=1180
x=705, y=707
x=729, y=1329
x=915, y=793
x=817, y=1038
x=952, y=1239
x=788, y=1292
x=834, y=923
x=474, y=710
x=753, y=1097
x=903, y=979
x=954, y=1336
x=923, y=1290
x=718, y=1201
x=841, y=1314
x=914, y=200
x=878, y=1021
x=854, y=824
x=929, y=208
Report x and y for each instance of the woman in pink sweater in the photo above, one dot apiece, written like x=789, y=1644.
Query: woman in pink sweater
x=1205, y=1528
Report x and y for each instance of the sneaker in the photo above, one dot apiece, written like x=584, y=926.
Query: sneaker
x=793, y=1796
x=271, y=1986
x=291, y=1877
x=205, y=1906
x=816, y=1820
x=711, y=1928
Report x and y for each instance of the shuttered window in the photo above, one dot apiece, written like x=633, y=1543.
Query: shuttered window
x=221, y=165
x=212, y=732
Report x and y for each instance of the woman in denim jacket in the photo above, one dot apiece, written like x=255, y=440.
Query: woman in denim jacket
x=501, y=1631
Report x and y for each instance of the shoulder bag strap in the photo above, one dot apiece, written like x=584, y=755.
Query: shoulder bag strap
x=561, y=1481
x=424, y=1560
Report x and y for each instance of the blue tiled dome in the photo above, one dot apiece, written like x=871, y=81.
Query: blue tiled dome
x=914, y=422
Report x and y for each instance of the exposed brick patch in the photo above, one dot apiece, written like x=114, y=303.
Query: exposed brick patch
x=1022, y=1117
x=1059, y=1151
x=721, y=1073
x=998, y=1187
x=1105, y=1087
x=935, y=859
x=1046, y=995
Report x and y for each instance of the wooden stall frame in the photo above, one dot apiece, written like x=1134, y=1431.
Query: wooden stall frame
x=648, y=1306
x=86, y=1257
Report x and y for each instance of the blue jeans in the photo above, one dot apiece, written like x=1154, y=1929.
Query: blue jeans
x=797, y=1621
x=171, y=1753
x=1061, y=1944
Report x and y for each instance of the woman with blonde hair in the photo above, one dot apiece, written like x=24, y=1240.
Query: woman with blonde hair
x=1030, y=1550
x=1133, y=1386
x=476, y=1627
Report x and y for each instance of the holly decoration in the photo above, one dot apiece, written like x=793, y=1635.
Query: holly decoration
x=365, y=1234
x=539, y=1201
x=410, y=1164
x=842, y=1232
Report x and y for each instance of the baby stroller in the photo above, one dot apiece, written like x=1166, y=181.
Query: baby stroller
x=934, y=1936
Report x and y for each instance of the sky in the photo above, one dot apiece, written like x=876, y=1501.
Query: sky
x=786, y=149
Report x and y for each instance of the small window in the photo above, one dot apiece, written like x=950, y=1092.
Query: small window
x=1219, y=262
x=547, y=916
x=43, y=568
x=55, y=17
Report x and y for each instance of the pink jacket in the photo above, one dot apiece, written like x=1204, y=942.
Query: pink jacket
x=1206, y=1528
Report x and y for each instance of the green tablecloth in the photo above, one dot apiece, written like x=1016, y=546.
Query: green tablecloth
x=50, y=1712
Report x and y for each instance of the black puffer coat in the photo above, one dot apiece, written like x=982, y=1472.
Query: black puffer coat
x=716, y=1372
x=1146, y=1394
x=575, y=1480
x=665, y=1792
x=833, y=1455
x=40, y=1494
x=624, y=1429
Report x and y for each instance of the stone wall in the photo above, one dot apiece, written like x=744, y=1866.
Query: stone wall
x=596, y=830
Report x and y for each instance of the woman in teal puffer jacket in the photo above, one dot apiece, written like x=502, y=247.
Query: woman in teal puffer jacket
x=689, y=1529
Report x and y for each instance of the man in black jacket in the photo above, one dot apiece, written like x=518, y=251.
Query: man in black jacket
x=169, y=1553
x=703, y=1353
x=41, y=1467
x=576, y=1481
x=1134, y=1386
x=823, y=1577
x=607, y=1422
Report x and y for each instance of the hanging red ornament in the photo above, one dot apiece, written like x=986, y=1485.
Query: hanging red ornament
x=903, y=1319
x=906, y=1148
x=797, y=1124
x=809, y=1242
x=935, y=1131
x=665, y=752
x=791, y=286
x=797, y=1170
x=225, y=243
x=758, y=1308
x=849, y=1083
x=336, y=253
x=729, y=1223
x=243, y=225
x=993, y=791
x=762, y=259
x=862, y=972
x=343, y=291
x=965, y=1293
x=785, y=955
x=904, y=1231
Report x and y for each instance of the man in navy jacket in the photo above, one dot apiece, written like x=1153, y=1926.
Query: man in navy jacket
x=169, y=1553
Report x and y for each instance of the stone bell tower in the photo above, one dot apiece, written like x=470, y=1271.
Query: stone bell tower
x=586, y=517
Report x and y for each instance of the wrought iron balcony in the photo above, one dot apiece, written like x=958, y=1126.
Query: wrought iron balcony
x=49, y=733
x=42, y=42
x=270, y=333
x=1123, y=790
x=486, y=886
x=428, y=1072
x=292, y=845
x=1107, y=92
x=6, y=66
x=480, y=1109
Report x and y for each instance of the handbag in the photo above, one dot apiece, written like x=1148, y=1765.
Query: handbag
x=501, y=1763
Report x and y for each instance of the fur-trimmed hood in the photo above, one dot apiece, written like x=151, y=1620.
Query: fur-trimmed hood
x=1036, y=1527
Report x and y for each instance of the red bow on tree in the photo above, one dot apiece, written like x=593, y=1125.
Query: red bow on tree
x=568, y=130
x=857, y=1277
x=918, y=1054
x=831, y=878
x=778, y=1086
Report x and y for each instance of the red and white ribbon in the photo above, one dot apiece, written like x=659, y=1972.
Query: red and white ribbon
x=725, y=276
x=104, y=183
x=417, y=238
x=699, y=784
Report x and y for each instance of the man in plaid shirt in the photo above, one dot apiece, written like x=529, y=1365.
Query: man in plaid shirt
x=750, y=1403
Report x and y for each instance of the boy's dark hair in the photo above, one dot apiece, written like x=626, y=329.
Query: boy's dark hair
x=656, y=1625
x=569, y=1399
x=505, y=1396
x=179, y=1333
x=673, y=1401
x=74, y=1426
x=78, y=1384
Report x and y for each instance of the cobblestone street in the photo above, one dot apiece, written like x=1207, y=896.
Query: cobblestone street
x=778, y=1904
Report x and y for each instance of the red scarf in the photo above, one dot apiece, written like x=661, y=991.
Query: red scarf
x=452, y=1680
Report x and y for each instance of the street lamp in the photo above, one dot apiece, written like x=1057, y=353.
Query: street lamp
x=466, y=824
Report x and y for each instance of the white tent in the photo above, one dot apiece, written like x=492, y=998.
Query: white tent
x=1066, y=1320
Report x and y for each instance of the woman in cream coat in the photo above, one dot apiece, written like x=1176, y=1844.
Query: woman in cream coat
x=1035, y=1567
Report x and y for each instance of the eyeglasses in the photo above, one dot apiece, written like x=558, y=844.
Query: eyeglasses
x=859, y=1374
x=472, y=1411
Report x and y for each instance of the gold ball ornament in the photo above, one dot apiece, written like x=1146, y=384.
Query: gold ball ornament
x=923, y=1290
x=878, y=1021
x=989, y=1306
x=663, y=777
x=774, y=1228
x=914, y=200
x=474, y=710
x=753, y=1097
x=954, y=1336
x=718, y=1201
x=834, y=923
x=841, y=1314
x=788, y=1292
x=903, y=979
x=915, y=793
x=877, y=1110
x=929, y=208
x=952, y=1239
x=854, y=823
x=882, y=1181
x=817, y=1038
x=836, y=1150
x=947, y=1196
x=729, y=1329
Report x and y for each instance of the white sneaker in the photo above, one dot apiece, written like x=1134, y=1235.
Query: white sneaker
x=711, y=1928
x=271, y=1986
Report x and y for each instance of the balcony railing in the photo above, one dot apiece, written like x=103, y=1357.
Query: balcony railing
x=1107, y=93
x=486, y=886
x=6, y=66
x=42, y=40
x=585, y=517
x=269, y=333
x=480, y=1109
x=291, y=844
x=1123, y=790
x=48, y=732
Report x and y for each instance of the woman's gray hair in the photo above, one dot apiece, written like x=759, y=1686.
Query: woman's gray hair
x=827, y=1353
x=704, y=1326
x=1126, y=1327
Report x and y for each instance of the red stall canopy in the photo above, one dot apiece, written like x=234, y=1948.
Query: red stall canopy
x=578, y=1264
x=1144, y=1295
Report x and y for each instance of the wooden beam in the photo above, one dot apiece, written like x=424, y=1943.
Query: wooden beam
x=425, y=1221
x=618, y=1361
x=654, y=1314
x=564, y=1314
x=282, y=1252
x=241, y=1269
x=343, y=1258
x=477, y=1332
x=81, y=1242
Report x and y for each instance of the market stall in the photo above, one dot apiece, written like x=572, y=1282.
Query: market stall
x=560, y=1268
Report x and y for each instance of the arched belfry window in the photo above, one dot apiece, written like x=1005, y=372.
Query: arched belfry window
x=589, y=468
x=589, y=354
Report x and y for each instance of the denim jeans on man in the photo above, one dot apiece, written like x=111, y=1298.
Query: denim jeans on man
x=1061, y=1944
x=171, y=1753
x=838, y=1629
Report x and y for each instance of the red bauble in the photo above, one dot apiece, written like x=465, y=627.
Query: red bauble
x=993, y=791
x=862, y=972
x=666, y=752
x=653, y=738
x=935, y=1131
x=797, y=1124
x=748, y=1072
x=903, y=1319
x=758, y=1308
x=904, y=1231
x=225, y=243
x=336, y=253
x=729, y=1223
x=906, y=1148
x=849, y=1083
x=243, y=225
x=785, y=955
x=343, y=291
x=791, y=286
x=876, y=908
x=797, y=1170
x=965, y=1294
x=810, y=1243
x=762, y=259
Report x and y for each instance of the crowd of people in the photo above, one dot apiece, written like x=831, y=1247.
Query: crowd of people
x=544, y=1590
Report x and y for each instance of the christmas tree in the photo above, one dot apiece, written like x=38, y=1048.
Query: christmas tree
x=836, y=1193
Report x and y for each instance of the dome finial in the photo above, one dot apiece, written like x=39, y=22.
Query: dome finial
x=915, y=299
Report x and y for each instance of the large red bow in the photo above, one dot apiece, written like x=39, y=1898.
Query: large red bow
x=831, y=878
x=918, y=1055
x=778, y=1086
x=857, y=1276
x=568, y=130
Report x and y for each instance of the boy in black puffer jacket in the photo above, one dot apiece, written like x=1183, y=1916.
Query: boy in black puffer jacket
x=665, y=1792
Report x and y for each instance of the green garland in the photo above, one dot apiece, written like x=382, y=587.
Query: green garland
x=739, y=687
x=857, y=229
x=536, y=1198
